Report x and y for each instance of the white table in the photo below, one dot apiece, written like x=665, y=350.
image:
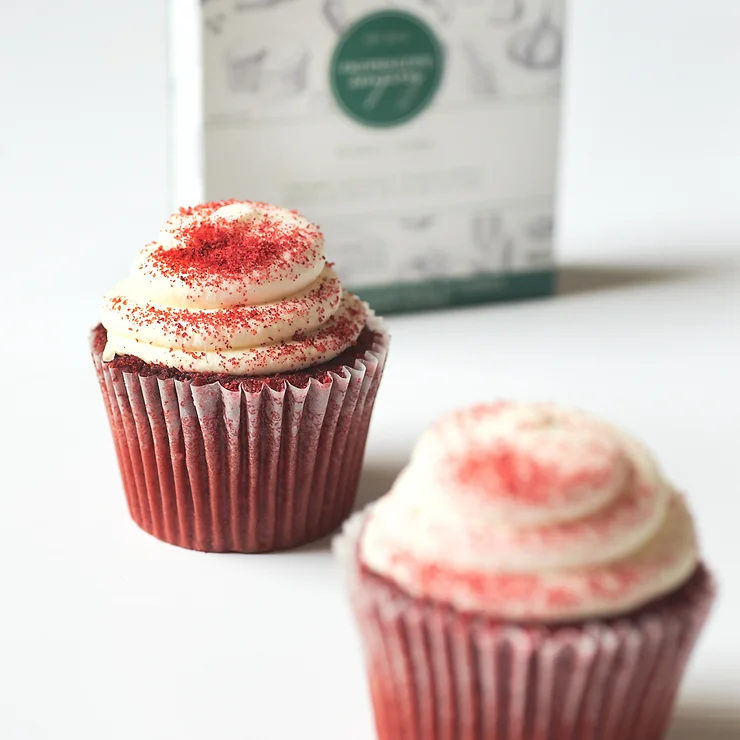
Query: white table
x=110, y=633
x=105, y=633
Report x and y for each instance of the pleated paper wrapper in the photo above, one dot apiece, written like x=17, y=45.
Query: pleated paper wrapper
x=218, y=470
x=437, y=674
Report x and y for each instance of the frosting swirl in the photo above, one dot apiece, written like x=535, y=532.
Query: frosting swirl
x=233, y=287
x=531, y=511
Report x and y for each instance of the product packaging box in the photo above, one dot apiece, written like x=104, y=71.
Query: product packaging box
x=421, y=135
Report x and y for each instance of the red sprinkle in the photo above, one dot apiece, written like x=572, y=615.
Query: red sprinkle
x=212, y=251
x=300, y=378
x=183, y=323
x=505, y=471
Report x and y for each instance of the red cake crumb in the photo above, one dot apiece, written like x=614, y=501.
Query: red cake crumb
x=276, y=381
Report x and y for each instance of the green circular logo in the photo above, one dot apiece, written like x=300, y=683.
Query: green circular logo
x=386, y=68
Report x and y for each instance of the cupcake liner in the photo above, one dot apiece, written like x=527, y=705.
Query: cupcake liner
x=218, y=470
x=437, y=674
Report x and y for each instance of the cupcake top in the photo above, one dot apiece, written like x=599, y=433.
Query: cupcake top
x=233, y=287
x=531, y=512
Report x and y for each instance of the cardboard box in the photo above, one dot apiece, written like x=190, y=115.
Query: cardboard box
x=420, y=134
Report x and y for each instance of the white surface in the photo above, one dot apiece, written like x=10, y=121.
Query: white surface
x=105, y=632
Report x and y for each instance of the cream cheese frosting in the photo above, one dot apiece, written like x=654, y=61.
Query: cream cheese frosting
x=234, y=287
x=533, y=512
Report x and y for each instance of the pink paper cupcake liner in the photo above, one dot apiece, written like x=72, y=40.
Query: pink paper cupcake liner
x=437, y=674
x=219, y=470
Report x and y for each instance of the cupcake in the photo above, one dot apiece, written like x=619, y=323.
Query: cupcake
x=239, y=378
x=530, y=576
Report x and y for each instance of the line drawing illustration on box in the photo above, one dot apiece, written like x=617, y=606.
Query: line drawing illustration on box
x=273, y=72
x=441, y=8
x=336, y=14
x=482, y=78
x=243, y=63
x=426, y=260
x=506, y=11
x=251, y=4
x=417, y=223
x=539, y=232
x=215, y=23
x=541, y=227
x=539, y=46
x=362, y=255
x=434, y=264
x=339, y=16
x=214, y=20
x=494, y=248
x=501, y=11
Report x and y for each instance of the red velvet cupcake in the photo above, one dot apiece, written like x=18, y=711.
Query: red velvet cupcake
x=530, y=576
x=239, y=378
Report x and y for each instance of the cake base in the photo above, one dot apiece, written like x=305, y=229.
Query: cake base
x=439, y=674
x=233, y=464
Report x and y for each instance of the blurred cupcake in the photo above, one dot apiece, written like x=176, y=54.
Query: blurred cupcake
x=530, y=575
x=239, y=378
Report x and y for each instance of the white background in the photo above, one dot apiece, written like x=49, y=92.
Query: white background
x=106, y=633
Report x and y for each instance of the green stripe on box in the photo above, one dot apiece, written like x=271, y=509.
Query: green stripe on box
x=442, y=292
